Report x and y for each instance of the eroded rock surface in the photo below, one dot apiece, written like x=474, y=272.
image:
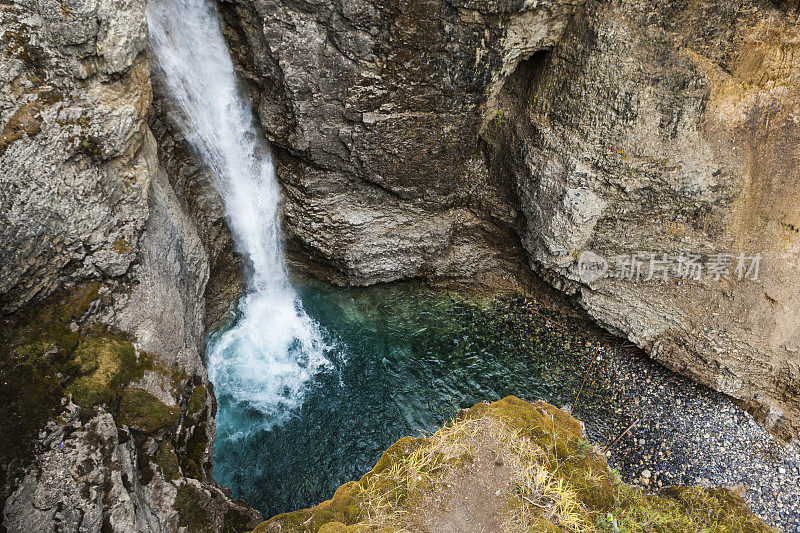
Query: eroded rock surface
x=661, y=130
x=463, y=140
x=75, y=169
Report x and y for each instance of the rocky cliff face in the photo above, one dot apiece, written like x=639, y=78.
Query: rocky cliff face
x=107, y=416
x=662, y=130
x=471, y=141
x=375, y=111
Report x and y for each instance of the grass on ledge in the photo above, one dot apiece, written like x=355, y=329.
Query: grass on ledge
x=528, y=464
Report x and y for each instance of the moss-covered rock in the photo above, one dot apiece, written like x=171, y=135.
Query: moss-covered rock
x=530, y=459
x=193, y=459
x=191, y=514
x=236, y=521
x=141, y=410
x=48, y=355
x=197, y=400
x=167, y=460
x=106, y=363
x=36, y=360
x=26, y=121
x=206, y=509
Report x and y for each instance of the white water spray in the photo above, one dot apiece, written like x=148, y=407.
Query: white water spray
x=264, y=361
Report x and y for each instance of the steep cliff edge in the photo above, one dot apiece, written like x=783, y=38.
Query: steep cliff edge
x=107, y=415
x=510, y=466
x=475, y=141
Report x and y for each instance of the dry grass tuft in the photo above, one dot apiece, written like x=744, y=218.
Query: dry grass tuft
x=538, y=493
x=390, y=495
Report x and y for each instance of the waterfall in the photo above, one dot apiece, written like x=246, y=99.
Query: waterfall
x=274, y=348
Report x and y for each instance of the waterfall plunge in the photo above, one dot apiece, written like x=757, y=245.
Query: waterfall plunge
x=264, y=361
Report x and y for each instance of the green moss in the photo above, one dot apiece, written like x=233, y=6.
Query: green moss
x=343, y=508
x=30, y=395
x=107, y=363
x=168, y=461
x=44, y=359
x=716, y=509
x=540, y=525
x=235, y=522
x=196, y=447
x=197, y=400
x=36, y=360
x=191, y=513
x=338, y=527
x=141, y=410
x=190, y=468
x=192, y=461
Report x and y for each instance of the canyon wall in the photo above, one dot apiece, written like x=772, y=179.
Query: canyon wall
x=473, y=142
x=107, y=413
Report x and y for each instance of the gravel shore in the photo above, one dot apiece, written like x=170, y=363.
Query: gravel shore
x=687, y=434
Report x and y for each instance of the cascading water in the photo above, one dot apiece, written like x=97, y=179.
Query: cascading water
x=263, y=362
x=288, y=430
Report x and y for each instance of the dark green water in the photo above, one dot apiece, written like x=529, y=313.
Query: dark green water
x=407, y=358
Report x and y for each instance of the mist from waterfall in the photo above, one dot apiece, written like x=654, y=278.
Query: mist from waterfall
x=274, y=348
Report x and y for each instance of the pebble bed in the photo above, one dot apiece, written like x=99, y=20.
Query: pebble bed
x=687, y=434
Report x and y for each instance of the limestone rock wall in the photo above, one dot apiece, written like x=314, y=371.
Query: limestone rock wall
x=456, y=140
x=76, y=173
x=374, y=109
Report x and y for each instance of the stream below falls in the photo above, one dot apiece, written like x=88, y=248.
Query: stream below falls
x=403, y=360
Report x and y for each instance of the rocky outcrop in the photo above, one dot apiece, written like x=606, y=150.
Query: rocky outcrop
x=194, y=189
x=107, y=413
x=375, y=110
x=76, y=160
x=473, y=142
x=509, y=466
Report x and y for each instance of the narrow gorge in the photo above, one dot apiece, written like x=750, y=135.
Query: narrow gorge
x=283, y=265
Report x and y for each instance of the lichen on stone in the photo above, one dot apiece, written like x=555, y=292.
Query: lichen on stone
x=26, y=121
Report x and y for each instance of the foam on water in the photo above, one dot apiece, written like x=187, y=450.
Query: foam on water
x=274, y=348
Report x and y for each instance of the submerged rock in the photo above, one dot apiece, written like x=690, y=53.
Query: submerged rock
x=510, y=466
